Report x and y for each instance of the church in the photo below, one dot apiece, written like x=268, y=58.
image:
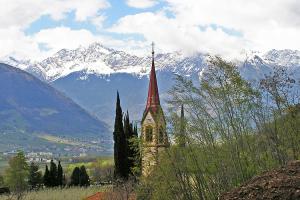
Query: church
x=153, y=125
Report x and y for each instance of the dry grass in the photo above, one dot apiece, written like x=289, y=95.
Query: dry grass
x=74, y=193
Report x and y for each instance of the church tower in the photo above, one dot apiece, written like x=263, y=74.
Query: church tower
x=153, y=133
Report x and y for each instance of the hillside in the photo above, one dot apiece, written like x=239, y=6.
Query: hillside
x=283, y=183
x=82, y=71
x=29, y=106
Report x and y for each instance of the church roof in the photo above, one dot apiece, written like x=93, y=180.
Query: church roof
x=153, y=96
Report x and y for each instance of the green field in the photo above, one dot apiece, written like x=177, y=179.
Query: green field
x=74, y=193
x=68, y=167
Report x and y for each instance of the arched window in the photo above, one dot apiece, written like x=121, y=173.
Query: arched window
x=149, y=134
x=161, y=135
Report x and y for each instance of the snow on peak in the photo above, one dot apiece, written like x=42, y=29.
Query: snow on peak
x=100, y=60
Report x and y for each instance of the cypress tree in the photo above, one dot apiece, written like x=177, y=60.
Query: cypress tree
x=46, y=178
x=182, y=134
x=53, y=174
x=131, y=134
x=120, y=156
x=84, y=179
x=75, y=177
x=59, y=174
x=127, y=133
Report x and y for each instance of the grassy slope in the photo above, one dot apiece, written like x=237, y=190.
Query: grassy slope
x=65, y=194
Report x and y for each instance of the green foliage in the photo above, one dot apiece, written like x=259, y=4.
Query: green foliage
x=75, y=177
x=53, y=174
x=46, y=177
x=132, y=146
x=17, y=173
x=178, y=124
x=120, y=144
x=102, y=170
x=135, y=157
x=35, y=176
x=60, y=175
x=84, y=177
x=125, y=149
x=233, y=132
x=80, y=177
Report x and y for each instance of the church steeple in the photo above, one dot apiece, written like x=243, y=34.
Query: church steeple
x=153, y=95
x=153, y=132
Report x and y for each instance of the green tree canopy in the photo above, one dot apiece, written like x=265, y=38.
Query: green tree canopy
x=35, y=176
x=84, y=177
x=53, y=174
x=120, y=144
x=46, y=178
x=234, y=131
x=75, y=177
x=16, y=175
x=60, y=175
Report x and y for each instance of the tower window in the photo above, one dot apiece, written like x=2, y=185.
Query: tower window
x=161, y=136
x=149, y=134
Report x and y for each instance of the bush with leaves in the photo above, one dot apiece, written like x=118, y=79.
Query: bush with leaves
x=35, y=176
x=80, y=177
x=233, y=132
x=16, y=175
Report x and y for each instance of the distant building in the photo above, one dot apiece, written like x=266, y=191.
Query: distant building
x=82, y=154
x=153, y=132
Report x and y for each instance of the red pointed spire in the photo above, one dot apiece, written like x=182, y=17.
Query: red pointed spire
x=153, y=95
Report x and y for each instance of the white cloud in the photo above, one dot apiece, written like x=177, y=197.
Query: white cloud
x=171, y=36
x=141, y=3
x=55, y=39
x=14, y=42
x=88, y=8
x=21, y=13
x=65, y=38
x=17, y=15
x=98, y=21
x=189, y=25
x=261, y=25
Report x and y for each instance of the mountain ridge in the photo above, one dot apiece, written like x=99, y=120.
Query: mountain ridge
x=42, y=108
x=91, y=76
x=100, y=60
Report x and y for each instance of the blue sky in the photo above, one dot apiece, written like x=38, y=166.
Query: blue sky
x=36, y=29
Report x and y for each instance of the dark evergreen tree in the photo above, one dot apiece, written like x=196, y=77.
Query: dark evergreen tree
x=84, y=179
x=182, y=134
x=53, y=174
x=75, y=177
x=46, y=178
x=120, y=153
x=137, y=162
x=60, y=174
x=132, y=145
x=127, y=132
x=35, y=176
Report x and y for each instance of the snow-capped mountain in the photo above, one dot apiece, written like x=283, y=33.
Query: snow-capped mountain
x=100, y=60
x=92, y=75
x=97, y=59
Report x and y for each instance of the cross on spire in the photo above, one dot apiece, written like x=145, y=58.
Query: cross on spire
x=153, y=96
x=152, y=48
